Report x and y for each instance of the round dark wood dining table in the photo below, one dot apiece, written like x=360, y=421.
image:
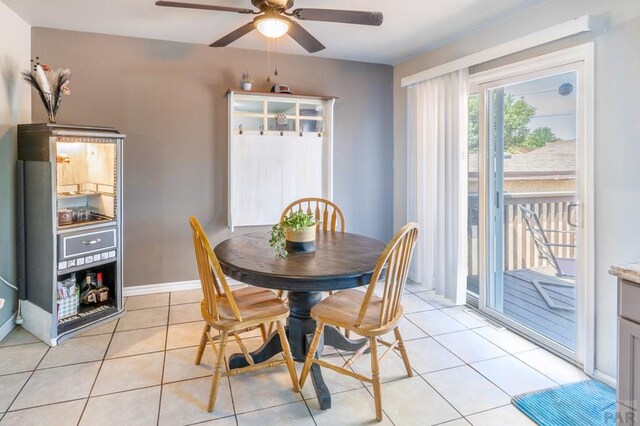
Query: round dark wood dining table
x=341, y=261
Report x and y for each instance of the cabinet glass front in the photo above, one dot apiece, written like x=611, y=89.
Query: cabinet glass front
x=311, y=110
x=86, y=178
x=287, y=108
x=256, y=107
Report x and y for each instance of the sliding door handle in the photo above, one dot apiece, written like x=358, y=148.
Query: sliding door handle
x=572, y=209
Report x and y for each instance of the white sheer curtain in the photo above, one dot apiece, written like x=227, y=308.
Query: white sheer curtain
x=437, y=181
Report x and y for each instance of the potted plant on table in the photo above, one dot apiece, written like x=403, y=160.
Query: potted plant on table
x=246, y=82
x=296, y=233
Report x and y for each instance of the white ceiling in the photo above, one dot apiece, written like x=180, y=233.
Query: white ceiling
x=410, y=27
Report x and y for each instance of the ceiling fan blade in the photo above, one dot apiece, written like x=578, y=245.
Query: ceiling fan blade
x=342, y=16
x=304, y=38
x=234, y=35
x=204, y=7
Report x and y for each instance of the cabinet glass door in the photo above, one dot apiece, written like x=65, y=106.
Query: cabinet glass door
x=248, y=115
x=86, y=177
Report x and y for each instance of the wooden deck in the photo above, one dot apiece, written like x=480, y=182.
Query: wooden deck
x=524, y=303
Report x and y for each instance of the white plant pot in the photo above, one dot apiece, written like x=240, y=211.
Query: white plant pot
x=246, y=86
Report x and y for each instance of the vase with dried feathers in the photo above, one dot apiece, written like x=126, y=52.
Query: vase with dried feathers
x=49, y=84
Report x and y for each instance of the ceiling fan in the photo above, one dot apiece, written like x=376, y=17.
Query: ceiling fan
x=274, y=20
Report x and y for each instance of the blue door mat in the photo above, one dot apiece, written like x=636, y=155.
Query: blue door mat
x=577, y=404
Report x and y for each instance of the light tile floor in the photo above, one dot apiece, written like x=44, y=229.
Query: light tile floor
x=140, y=371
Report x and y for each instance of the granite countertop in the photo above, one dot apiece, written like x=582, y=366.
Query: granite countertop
x=629, y=272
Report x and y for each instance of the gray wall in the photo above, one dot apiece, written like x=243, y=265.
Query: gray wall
x=15, y=107
x=617, y=175
x=169, y=98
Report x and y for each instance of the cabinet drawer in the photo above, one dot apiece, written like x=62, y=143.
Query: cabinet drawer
x=86, y=242
x=629, y=301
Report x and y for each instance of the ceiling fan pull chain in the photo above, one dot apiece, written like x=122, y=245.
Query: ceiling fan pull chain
x=276, y=71
x=268, y=60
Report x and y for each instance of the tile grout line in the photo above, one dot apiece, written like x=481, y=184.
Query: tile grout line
x=98, y=373
x=20, y=344
x=225, y=359
x=303, y=398
x=44, y=405
x=442, y=396
x=464, y=364
x=210, y=420
x=367, y=388
x=25, y=384
x=519, y=352
x=509, y=354
x=164, y=360
x=488, y=409
x=471, y=366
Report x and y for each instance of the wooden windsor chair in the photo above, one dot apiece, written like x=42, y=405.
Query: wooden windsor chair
x=328, y=213
x=369, y=315
x=325, y=211
x=232, y=313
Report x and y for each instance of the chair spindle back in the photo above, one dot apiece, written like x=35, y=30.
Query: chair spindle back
x=396, y=258
x=212, y=280
x=325, y=211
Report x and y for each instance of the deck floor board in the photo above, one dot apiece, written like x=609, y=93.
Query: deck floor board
x=524, y=304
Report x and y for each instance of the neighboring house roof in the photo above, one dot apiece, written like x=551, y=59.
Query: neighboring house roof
x=555, y=160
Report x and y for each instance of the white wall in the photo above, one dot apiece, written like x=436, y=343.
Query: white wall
x=617, y=150
x=15, y=107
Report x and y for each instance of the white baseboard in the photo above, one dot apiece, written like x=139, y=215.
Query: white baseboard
x=599, y=375
x=8, y=325
x=140, y=290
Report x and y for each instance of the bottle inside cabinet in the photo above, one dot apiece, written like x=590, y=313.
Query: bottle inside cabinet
x=90, y=292
x=86, y=182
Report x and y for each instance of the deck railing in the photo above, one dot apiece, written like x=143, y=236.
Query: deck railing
x=519, y=248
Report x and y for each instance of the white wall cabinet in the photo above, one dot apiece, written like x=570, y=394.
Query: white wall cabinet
x=280, y=149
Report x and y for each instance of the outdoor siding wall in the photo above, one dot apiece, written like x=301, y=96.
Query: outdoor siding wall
x=617, y=175
x=15, y=107
x=169, y=98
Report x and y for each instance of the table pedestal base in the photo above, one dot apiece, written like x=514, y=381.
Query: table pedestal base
x=300, y=329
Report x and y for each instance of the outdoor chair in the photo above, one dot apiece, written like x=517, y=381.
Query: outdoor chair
x=564, y=267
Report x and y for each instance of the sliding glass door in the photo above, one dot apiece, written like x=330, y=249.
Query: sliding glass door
x=524, y=217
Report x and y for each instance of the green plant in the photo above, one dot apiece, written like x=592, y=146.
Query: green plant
x=295, y=221
x=518, y=137
x=540, y=137
x=246, y=77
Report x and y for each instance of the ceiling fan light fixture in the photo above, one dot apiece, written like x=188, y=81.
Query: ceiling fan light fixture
x=272, y=26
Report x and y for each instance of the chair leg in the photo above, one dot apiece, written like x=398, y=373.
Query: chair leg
x=217, y=371
x=403, y=351
x=287, y=356
x=264, y=332
x=279, y=294
x=375, y=369
x=270, y=329
x=311, y=353
x=203, y=343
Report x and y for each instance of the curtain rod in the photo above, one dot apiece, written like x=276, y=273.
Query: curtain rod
x=586, y=23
